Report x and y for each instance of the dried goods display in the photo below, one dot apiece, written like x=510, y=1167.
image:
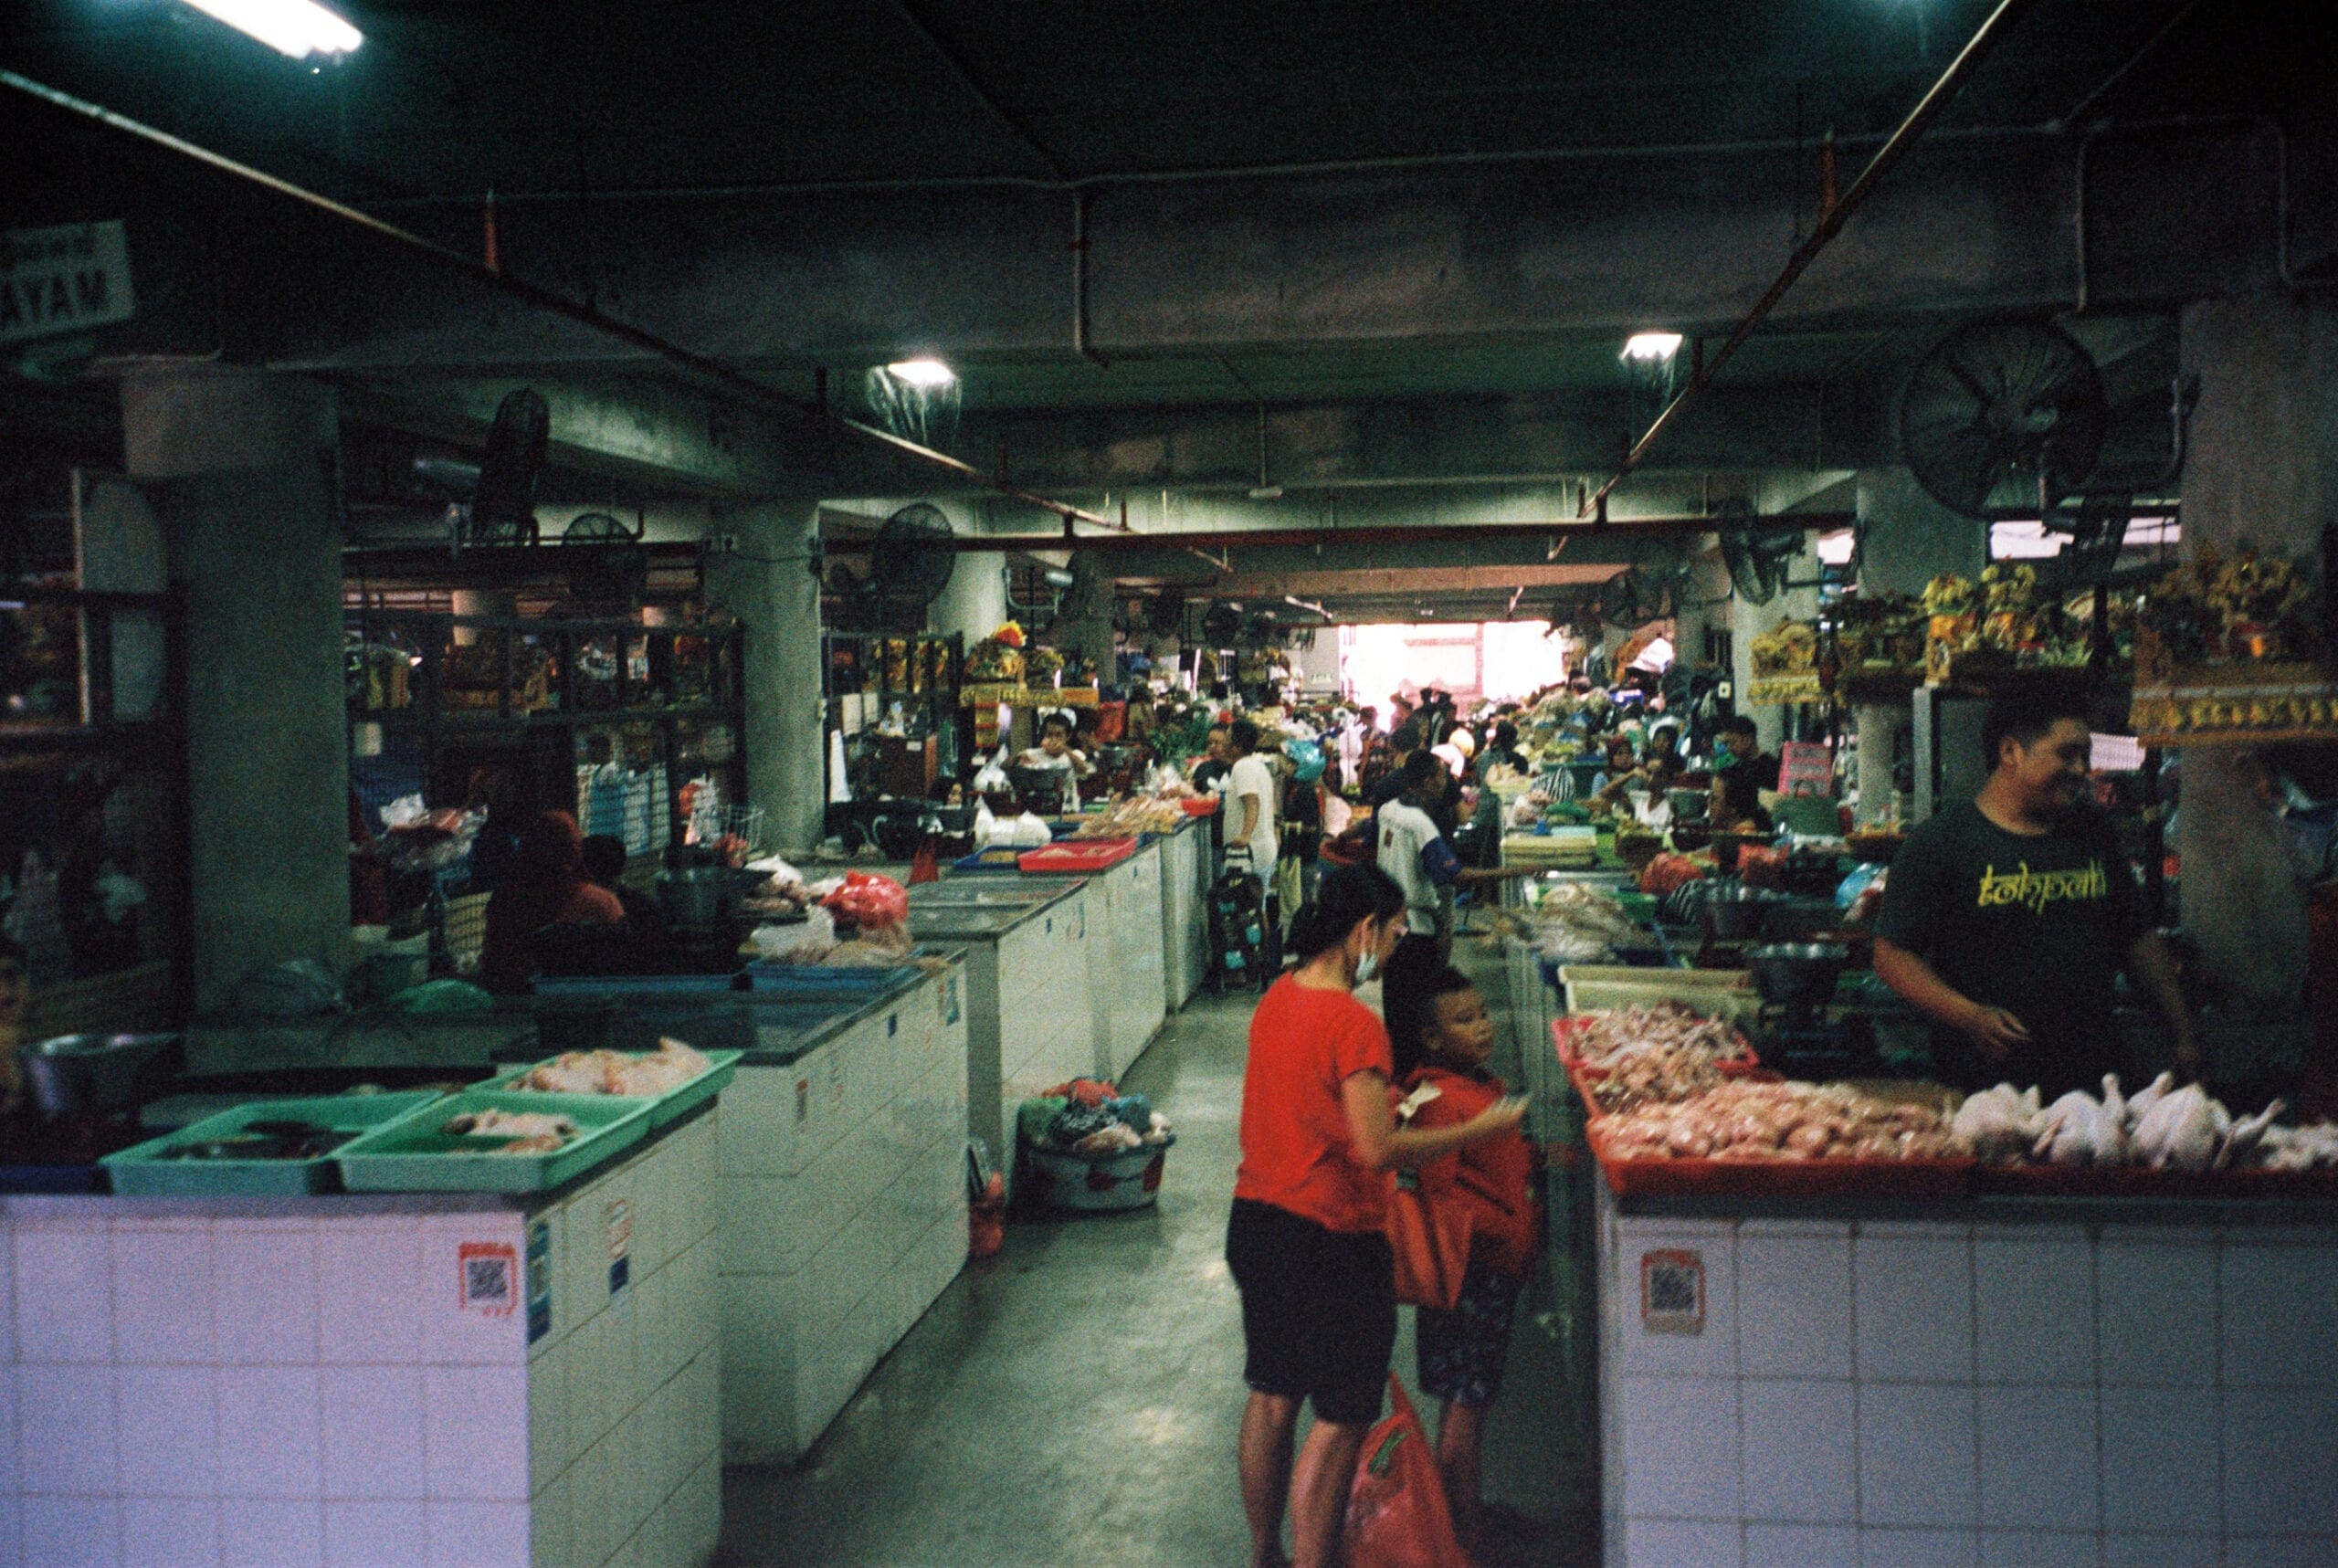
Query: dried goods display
x=1129, y=818
x=2226, y=650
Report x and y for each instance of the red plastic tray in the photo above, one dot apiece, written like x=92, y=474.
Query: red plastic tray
x=2142, y=1182
x=1075, y=856
x=1199, y=805
x=1780, y=1178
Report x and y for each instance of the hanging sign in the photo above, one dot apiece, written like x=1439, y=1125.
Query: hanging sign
x=64, y=279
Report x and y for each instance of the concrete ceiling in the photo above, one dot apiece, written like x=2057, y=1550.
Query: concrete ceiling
x=1382, y=253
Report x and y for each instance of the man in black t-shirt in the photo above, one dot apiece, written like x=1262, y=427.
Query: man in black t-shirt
x=2007, y=919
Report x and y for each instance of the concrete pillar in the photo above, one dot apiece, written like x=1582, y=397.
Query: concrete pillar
x=240, y=464
x=769, y=585
x=975, y=604
x=1084, y=624
x=1912, y=538
x=2263, y=470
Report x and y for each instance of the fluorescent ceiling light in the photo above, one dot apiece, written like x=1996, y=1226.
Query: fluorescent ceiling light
x=921, y=372
x=295, y=27
x=1651, y=345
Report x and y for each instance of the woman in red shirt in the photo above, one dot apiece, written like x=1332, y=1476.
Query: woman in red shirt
x=545, y=885
x=1306, y=1243
x=1462, y=1351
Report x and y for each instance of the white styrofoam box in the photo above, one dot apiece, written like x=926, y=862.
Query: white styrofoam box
x=550, y=1524
x=1681, y=1544
x=477, y=1534
x=372, y=1432
x=2126, y=1549
x=368, y=1270
x=475, y=1431
x=2159, y=1459
x=2280, y=1311
x=2281, y=1454
x=1793, y=1299
x=64, y=1291
x=2039, y=1548
x=550, y=1443
x=2039, y=1467
x=2157, y=1307
x=169, y=1532
x=759, y=1119
x=269, y=1439
x=161, y=1290
x=264, y=1290
x=1680, y=1452
x=1890, y=1548
x=472, y=1252
x=2286, y=1551
x=1917, y=1447
x=73, y=1531
x=378, y=1534
x=167, y=1429
x=1914, y=1301
x=1801, y=1462
x=271, y=1532
x=66, y=1440
x=2034, y=1305
x=1801, y=1546
x=1712, y=1351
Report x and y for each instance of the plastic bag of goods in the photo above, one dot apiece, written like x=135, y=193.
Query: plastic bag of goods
x=807, y=940
x=1665, y=875
x=871, y=902
x=1398, y=1514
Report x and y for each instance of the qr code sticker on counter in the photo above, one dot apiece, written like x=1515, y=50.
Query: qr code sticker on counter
x=1672, y=1292
x=489, y=1274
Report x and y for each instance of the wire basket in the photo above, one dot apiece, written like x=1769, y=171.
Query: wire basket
x=713, y=822
x=467, y=930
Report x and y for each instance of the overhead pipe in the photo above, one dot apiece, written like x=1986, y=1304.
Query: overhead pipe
x=1194, y=541
x=1830, y=223
x=546, y=300
x=1079, y=343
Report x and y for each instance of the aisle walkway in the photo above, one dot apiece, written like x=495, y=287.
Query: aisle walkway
x=1074, y=1401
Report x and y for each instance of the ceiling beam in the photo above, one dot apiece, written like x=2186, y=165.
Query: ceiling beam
x=1414, y=580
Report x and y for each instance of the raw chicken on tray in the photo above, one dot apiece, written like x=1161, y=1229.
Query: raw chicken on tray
x=530, y=1131
x=2160, y=1128
x=662, y=1071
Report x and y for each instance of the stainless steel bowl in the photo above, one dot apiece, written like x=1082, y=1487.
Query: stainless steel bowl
x=694, y=896
x=1796, y=974
x=74, y=1075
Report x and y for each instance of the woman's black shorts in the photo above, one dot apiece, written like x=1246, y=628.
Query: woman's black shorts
x=1319, y=1310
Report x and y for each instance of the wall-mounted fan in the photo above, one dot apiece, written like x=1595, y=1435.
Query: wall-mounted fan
x=1758, y=559
x=503, y=506
x=604, y=560
x=911, y=559
x=1999, y=403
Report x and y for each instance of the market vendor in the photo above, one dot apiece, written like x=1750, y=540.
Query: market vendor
x=1737, y=743
x=1055, y=754
x=544, y=886
x=1416, y=851
x=2007, y=919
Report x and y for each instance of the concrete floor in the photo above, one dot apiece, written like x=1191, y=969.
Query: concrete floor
x=1075, y=1399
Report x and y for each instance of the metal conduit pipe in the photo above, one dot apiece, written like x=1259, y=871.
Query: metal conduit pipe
x=544, y=299
x=1830, y=223
x=1079, y=343
x=1421, y=162
x=1264, y=538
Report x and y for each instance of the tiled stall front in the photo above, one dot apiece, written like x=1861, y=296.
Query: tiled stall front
x=1810, y=1394
x=367, y=1382
x=844, y=1213
x=1138, y=994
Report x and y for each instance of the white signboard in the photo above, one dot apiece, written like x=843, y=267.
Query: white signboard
x=65, y=279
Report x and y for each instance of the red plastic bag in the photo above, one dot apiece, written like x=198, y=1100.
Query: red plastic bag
x=1397, y=1516
x=869, y=901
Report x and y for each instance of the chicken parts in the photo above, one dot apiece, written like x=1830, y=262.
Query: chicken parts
x=2163, y=1127
x=662, y=1071
x=1740, y=1120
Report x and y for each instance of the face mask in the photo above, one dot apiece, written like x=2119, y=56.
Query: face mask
x=1725, y=755
x=1367, y=967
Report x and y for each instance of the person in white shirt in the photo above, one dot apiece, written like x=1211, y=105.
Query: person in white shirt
x=1250, y=796
x=1424, y=865
x=1055, y=754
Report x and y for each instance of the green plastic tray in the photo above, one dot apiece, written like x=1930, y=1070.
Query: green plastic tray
x=415, y=1156
x=665, y=1110
x=144, y=1172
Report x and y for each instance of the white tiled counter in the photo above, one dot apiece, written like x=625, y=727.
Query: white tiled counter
x=2014, y=1384
x=843, y=1206
x=1184, y=888
x=371, y=1382
x=1027, y=1003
